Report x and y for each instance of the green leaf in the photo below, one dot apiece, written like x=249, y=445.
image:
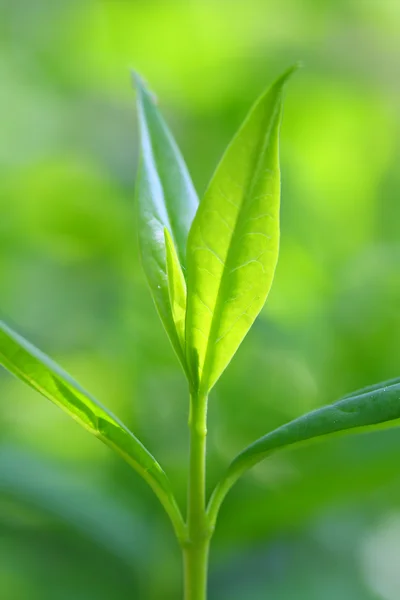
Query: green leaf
x=234, y=242
x=177, y=288
x=166, y=200
x=376, y=409
x=373, y=387
x=33, y=367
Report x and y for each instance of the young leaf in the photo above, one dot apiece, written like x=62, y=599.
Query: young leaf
x=376, y=409
x=177, y=288
x=234, y=241
x=33, y=367
x=166, y=200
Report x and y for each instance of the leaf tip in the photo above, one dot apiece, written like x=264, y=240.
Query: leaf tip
x=299, y=64
x=141, y=88
x=282, y=79
x=136, y=79
x=167, y=237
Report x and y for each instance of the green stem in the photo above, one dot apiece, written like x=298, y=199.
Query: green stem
x=218, y=496
x=195, y=564
x=198, y=535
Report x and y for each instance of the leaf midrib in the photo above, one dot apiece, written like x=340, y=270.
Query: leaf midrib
x=263, y=143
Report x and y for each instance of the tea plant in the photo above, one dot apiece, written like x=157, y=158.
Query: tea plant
x=210, y=267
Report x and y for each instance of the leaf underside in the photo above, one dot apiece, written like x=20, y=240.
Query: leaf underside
x=234, y=242
x=166, y=199
x=373, y=387
x=378, y=408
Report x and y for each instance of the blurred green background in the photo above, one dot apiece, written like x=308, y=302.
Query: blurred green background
x=317, y=523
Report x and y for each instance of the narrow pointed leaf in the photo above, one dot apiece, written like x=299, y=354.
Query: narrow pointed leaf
x=166, y=199
x=33, y=367
x=373, y=387
x=376, y=409
x=234, y=242
x=177, y=288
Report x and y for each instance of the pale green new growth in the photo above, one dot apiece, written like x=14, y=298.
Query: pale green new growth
x=234, y=242
x=177, y=288
x=209, y=273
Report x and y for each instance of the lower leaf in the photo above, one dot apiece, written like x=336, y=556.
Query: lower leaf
x=37, y=370
x=376, y=408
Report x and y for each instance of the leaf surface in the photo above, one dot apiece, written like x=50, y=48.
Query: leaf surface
x=33, y=367
x=234, y=242
x=166, y=199
x=373, y=387
x=177, y=288
x=375, y=409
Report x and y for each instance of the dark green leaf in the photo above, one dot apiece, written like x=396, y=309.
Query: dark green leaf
x=376, y=409
x=373, y=387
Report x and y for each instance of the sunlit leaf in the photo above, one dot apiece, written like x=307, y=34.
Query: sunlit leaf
x=376, y=409
x=166, y=200
x=33, y=367
x=234, y=242
x=177, y=288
